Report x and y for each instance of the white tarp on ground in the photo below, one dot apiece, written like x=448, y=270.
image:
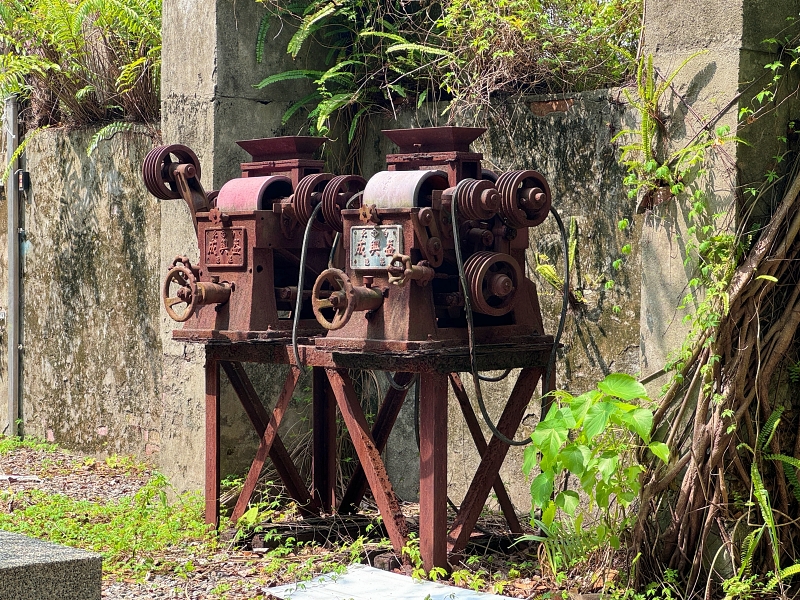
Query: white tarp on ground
x=361, y=582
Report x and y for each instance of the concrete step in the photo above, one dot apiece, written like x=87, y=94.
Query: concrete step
x=31, y=569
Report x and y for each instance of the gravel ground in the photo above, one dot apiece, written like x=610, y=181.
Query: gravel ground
x=191, y=571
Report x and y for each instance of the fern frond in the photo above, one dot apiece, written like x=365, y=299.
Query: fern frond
x=310, y=24
x=109, y=131
x=298, y=105
x=767, y=431
x=261, y=37
x=289, y=75
x=783, y=574
x=20, y=149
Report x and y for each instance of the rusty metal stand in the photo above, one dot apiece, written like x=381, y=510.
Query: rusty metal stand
x=333, y=387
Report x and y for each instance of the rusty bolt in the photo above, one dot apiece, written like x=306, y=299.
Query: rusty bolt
x=434, y=245
x=490, y=199
x=532, y=198
x=500, y=285
x=425, y=216
x=368, y=280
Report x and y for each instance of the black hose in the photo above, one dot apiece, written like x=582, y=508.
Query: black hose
x=300, y=282
x=338, y=235
x=401, y=388
x=473, y=360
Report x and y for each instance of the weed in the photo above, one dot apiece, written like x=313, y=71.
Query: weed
x=129, y=532
x=9, y=444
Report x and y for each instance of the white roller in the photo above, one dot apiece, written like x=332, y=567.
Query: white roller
x=252, y=193
x=402, y=189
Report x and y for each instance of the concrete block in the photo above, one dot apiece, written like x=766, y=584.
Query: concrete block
x=31, y=569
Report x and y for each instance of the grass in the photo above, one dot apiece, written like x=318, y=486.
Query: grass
x=9, y=444
x=131, y=533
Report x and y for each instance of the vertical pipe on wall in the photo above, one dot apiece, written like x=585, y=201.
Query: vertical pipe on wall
x=12, y=318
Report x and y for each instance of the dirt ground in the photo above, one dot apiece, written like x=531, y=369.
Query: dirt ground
x=222, y=570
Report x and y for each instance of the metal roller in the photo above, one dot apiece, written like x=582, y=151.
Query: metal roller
x=526, y=198
x=335, y=197
x=253, y=193
x=403, y=189
x=493, y=282
x=158, y=166
x=308, y=195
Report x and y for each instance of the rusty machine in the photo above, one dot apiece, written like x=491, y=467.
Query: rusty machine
x=418, y=271
x=250, y=234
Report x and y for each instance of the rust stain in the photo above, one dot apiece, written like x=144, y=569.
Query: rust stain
x=542, y=109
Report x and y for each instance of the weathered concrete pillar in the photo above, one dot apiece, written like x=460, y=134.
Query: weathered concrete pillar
x=209, y=102
x=711, y=88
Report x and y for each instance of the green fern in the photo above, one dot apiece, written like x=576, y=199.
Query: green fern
x=20, y=149
x=109, y=131
x=768, y=430
x=782, y=574
x=261, y=37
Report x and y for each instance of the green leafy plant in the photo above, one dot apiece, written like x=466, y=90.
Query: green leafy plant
x=588, y=436
x=82, y=61
x=383, y=55
x=130, y=532
x=650, y=165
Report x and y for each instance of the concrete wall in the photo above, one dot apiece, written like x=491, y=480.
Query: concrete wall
x=568, y=140
x=707, y=90
x=91, y=356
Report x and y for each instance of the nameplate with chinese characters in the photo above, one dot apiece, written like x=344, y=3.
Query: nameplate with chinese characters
x=372, y=246
x=225, y=247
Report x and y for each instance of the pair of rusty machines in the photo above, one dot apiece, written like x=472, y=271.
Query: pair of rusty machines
x=418, y=271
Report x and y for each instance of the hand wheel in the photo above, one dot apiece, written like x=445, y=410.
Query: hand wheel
x=339, y=300
x=187, y=293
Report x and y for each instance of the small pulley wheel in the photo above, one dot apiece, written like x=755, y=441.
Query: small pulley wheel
x=181, y=275
x=335, y=196
x=478, y=200
x=493, y=280
x=340, y=299
x=158, y=167
x=525, y=200
x=303, y=199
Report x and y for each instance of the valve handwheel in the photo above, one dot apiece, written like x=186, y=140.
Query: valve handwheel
x=157, y=169
x=187, y=293
x=340, y=299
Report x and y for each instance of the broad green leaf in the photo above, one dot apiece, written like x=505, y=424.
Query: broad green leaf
x=548, y=514
x=621, y=385
x=565, y=413
x=549, y=436
x=581, y=404
x=602, y=494
x=573, y=459
x=640, y=421
x=529, y=459
x=607, y=465
x=568, y=501
x=597, y=419
x=661, y=450
x=542, y=489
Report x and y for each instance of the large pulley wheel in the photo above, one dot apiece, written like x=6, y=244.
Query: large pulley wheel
x=525, y=200
x=307, y=195
x=180, y=275
x=158, y=167
x=335, y=196
x=340, y=299
x=493, y=280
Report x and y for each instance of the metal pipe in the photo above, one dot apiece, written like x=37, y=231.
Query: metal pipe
x=12, y=318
